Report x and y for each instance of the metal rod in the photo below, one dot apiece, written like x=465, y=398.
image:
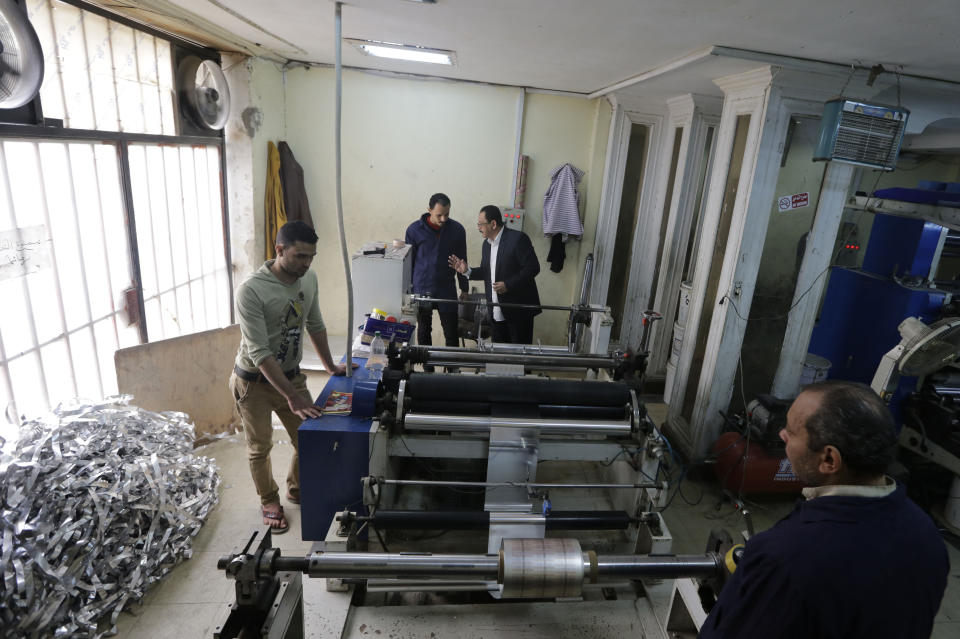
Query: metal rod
x=429, y=585
x=561, y=361
x=443, y=585
x=417, y=421
x=361, y=564
x=338, y=177
x=486, y=567
x=530, y=367
x=499, y=484
x=543, y=307
x=499, y=347
x=669, y=566
x=576, y=328
x=126, y=183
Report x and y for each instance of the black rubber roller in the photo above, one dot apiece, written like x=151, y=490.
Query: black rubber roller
x=507, y=390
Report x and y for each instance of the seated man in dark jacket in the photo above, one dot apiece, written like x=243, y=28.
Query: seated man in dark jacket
x=433, y=238
x=857, y=558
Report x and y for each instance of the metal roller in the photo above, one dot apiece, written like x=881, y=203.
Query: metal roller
x=523, y=567
x=473, y=423
x=542, y=307
x=478, y=520
x=535, y=568
x=660, y=567
x=363, y=564
x=526, y=559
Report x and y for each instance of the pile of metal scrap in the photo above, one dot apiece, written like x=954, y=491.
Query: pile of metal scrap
x=97, y=502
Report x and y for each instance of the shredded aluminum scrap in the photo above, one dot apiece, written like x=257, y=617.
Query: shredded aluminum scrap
x=97, y=502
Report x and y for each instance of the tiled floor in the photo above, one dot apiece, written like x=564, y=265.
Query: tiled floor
x=189, y=601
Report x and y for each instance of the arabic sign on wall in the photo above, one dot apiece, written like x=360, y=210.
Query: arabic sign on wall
x=24, y=251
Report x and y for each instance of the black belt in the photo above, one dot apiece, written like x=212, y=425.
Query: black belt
x=258, y=377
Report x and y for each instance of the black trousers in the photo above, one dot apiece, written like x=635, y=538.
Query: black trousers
x=514, y=331
x=425, y=326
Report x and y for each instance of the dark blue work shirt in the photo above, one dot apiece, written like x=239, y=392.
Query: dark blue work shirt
x=837, y=567
x=432, y=274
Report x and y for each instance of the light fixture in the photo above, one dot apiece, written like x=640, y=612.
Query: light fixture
x=407, y=52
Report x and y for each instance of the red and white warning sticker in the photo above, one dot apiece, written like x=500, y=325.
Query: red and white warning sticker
x=795, y=201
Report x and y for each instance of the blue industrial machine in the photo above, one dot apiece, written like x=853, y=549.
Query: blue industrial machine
x=864, y=306
x=334, y=455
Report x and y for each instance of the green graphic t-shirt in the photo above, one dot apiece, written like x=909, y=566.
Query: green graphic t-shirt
x=272, y=318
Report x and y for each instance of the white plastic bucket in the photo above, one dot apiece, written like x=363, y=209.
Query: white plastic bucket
x=668, y=382
x=677, y=345
x=686, y=291
x=815, y=369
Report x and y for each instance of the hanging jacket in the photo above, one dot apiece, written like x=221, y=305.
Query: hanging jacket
x=275, y=214
x=560, y=211
x=294, y=188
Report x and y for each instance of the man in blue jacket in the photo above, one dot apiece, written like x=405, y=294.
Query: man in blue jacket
x=434, y=237
x=857, y=558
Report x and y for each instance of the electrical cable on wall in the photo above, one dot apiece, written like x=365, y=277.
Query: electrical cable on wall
x=338, y=179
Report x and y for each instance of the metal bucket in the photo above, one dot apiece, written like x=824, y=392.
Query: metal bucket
x=815, y=369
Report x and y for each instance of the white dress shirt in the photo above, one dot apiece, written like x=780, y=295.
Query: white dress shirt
x=494, y=247
x=843, y=490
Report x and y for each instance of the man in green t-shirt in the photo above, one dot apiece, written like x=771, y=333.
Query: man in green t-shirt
x=274, y=306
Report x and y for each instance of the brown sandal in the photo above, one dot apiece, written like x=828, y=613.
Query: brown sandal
x=270, y=516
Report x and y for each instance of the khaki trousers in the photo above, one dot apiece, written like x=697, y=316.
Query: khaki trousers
x=255, y=402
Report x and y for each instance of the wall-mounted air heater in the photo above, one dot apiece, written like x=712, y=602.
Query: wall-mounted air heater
x=860, y=133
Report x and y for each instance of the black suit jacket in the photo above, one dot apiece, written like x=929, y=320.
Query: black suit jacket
x=517, y=266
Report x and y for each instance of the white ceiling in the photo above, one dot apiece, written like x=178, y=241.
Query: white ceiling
x=587, y=45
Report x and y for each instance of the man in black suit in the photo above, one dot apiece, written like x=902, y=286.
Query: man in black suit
x=508, y=269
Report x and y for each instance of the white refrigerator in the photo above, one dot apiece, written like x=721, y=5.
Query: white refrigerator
x=380, y=281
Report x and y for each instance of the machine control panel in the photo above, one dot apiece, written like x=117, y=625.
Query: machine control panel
x=513, y=218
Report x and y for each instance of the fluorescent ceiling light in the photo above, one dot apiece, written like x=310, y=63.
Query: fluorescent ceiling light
x=408, y=52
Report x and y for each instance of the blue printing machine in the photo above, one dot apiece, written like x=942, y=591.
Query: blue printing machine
x=334, y=455
x=863, y=307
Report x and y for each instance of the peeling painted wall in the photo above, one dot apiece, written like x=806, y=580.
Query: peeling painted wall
x=256, y=117
x=558, y=130
x=240, y=169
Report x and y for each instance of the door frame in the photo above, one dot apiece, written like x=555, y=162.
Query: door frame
x=696, y=114
x=772, y=96
x=744, y=94
x=628, y=111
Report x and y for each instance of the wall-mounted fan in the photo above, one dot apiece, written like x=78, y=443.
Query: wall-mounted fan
x=21, y=58
x=204, y=94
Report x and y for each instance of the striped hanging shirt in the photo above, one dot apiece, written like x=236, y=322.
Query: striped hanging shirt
x=560, y=212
